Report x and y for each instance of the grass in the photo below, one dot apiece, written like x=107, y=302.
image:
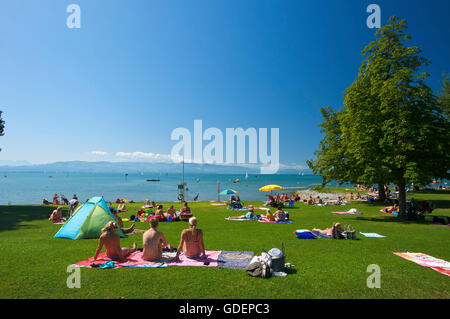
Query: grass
x=33, y=263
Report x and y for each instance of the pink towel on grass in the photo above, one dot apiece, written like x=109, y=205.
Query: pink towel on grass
x=135, y=260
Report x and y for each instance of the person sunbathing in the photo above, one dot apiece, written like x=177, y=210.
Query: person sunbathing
x=350, y=196
x=269, y=215
x=56, y=214
x=45, y=202
x=389, y=209
x=191, y=241
x=329, y=231
x=111, y=240
x=55, y=199
x=280, y=215
x=318, y=201
x=147, y=204
x=249, y=215
x=185, y=212
x=159, y=214
x=310, y=201
x=153, y=242
x=170, y=213
x=121, y=208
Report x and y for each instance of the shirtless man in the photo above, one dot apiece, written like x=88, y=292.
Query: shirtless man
x=153, y=242
x=310, y=201
x=111, y=240
x=159, y=214
x=170, y=213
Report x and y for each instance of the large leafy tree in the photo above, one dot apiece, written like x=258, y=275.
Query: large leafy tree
x=444, y=96
x=391, y=130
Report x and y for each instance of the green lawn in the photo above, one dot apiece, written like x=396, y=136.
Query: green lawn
x=33, y=264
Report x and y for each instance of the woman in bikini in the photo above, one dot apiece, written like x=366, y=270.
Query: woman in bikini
x=191, y=242
x=56, y=214
x=111, y=240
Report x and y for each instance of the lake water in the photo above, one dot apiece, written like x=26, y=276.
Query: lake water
x=31, y=188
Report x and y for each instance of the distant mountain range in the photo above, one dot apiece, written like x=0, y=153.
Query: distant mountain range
x=132, y=167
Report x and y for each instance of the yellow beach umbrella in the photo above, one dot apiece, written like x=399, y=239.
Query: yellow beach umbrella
x=270, y=188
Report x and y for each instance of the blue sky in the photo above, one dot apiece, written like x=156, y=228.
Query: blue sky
x=138, y=69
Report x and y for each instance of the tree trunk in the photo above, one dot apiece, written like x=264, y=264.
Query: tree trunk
x=402, y=199
x=381, y=193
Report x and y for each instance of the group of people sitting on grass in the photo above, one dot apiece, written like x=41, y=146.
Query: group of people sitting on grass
x=153, y=242
x=278, y=216
x=169, y=215
x=57, y=214
x=235, y=202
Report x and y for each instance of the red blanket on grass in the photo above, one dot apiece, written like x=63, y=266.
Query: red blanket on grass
x=135, y=260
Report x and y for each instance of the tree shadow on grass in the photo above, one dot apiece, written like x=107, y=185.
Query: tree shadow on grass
x=11, y=217
x=392, y=219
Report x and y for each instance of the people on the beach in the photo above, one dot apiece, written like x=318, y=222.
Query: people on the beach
x=56, y=215
x=389, y=209
x=334, y=231
x=185, y=212
x=120, y=223
x=280, y=215
x=170, y=213
x=55, y=199
x=111, y=240
x=191, y=241
x=121, y=208
x=269, y=215
x=153, y=242
x=73, y=203
x=159, y=214
x=249, y=215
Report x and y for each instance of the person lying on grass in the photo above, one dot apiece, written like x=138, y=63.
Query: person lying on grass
x=111, y=240
x=389, y=209
x=249, y=215
x=336, y=228
x=153, y=242
x=310, y=201
x=56, y=214
x=191, y=241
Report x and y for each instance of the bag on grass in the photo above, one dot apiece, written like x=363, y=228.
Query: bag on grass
x=350, y=233
x=259, y=269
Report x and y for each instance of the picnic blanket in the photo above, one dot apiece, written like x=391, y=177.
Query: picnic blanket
x=234, y=259
x=135, y=260
x=347, y=213
x=374, y=235
x=238, y=219
x=309, y=234
x=425, y=260
x=265, y=220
